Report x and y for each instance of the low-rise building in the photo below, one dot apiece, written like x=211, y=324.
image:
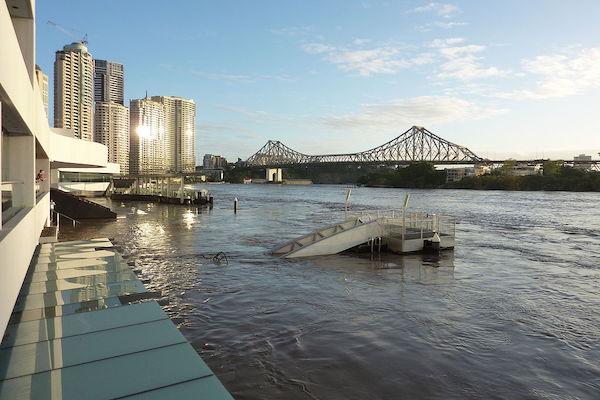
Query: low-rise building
x=457, y=174
x=582, y=162
x=482, y=169
x=523, y=169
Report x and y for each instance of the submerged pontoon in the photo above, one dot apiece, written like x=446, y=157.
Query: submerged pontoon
x=397, y=231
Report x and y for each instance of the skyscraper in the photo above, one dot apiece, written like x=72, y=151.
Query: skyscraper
x=74, y=90
x=111, y=128
x=108, y=81
x=147, y=137
x=111, y=119
x=42, y=80
x=180, y=123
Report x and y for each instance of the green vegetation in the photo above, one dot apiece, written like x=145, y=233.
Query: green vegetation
x=555, y=177
x=328, y=173
x=421, y=175
x=234, y=174
x=324, y=173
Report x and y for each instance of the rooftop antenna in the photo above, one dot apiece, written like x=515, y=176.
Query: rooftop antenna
x=146, y=94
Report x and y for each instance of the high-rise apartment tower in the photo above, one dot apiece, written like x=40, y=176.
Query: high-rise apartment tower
x=147, y=137
x=111, y=128
x=180, y=124
x=108, y=81
x=42, y=80
x=111, y=119
x=74, y=90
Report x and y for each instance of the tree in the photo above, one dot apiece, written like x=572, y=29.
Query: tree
x=507, y=166
x=552, y=168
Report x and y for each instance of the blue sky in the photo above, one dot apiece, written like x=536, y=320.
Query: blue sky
x=504, y=78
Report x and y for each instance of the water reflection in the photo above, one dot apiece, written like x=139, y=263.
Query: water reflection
x=513, y=312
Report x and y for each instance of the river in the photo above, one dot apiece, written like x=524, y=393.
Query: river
x=512, y=313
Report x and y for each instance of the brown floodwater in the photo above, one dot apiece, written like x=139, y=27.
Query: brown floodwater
x=512, y=313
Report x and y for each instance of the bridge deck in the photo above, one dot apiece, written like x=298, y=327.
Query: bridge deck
x=73, y=334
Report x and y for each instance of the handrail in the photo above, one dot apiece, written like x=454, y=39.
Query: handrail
x=75, y=222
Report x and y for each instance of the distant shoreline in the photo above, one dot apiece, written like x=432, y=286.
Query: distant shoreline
x=478, y=189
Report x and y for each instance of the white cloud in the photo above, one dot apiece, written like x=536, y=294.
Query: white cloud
x=382, y=60
x=293, y=31
x=423, y=110
x=440, y=24
x=317, y=48
x=456, y=51
x=560, y=75
x=441, y=9
x=442, y=43
x=368, y=61
x=449, y=24
x=461, y=60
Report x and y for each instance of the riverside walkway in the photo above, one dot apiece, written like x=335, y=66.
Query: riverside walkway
x=75, y=334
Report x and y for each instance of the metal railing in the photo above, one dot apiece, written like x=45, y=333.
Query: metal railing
x=400, y=223
x=58, y=215
x=190, y=194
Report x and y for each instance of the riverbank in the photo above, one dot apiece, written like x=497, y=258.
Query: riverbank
x=424, y=176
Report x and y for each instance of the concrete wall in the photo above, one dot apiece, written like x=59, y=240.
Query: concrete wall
x=72, y=152
x=274, y=174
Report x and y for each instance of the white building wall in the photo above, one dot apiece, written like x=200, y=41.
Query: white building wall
x=27, y=144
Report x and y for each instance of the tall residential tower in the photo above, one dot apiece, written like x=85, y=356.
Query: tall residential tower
x=74, y=90
x=111, y=128
x=180, y=124
x=108, y=81
x=111, y=119
x=42, y=80
x=147, y=137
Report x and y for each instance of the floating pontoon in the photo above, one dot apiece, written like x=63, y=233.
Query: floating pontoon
x=397, y=231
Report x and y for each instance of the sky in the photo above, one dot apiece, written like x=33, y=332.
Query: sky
x=504, y=78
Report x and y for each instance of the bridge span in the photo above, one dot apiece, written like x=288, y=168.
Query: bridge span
x=416, y=144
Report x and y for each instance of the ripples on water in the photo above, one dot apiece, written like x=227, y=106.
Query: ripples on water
x=513, y=313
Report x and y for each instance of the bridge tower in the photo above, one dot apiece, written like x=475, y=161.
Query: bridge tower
x=274, y=175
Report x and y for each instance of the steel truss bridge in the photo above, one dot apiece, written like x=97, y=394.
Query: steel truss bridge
x=415, y=145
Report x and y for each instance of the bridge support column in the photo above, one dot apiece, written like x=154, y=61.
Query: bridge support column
x=274, y=175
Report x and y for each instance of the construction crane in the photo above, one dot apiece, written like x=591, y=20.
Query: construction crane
x=69, y=32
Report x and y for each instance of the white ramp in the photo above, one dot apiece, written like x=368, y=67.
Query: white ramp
x=332, y=239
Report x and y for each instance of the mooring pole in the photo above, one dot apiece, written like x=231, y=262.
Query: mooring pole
x=347, y=202
x=181, y=191
x=235, y=205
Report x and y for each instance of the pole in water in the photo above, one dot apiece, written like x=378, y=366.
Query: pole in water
x=347, y=202
x=235, y=205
